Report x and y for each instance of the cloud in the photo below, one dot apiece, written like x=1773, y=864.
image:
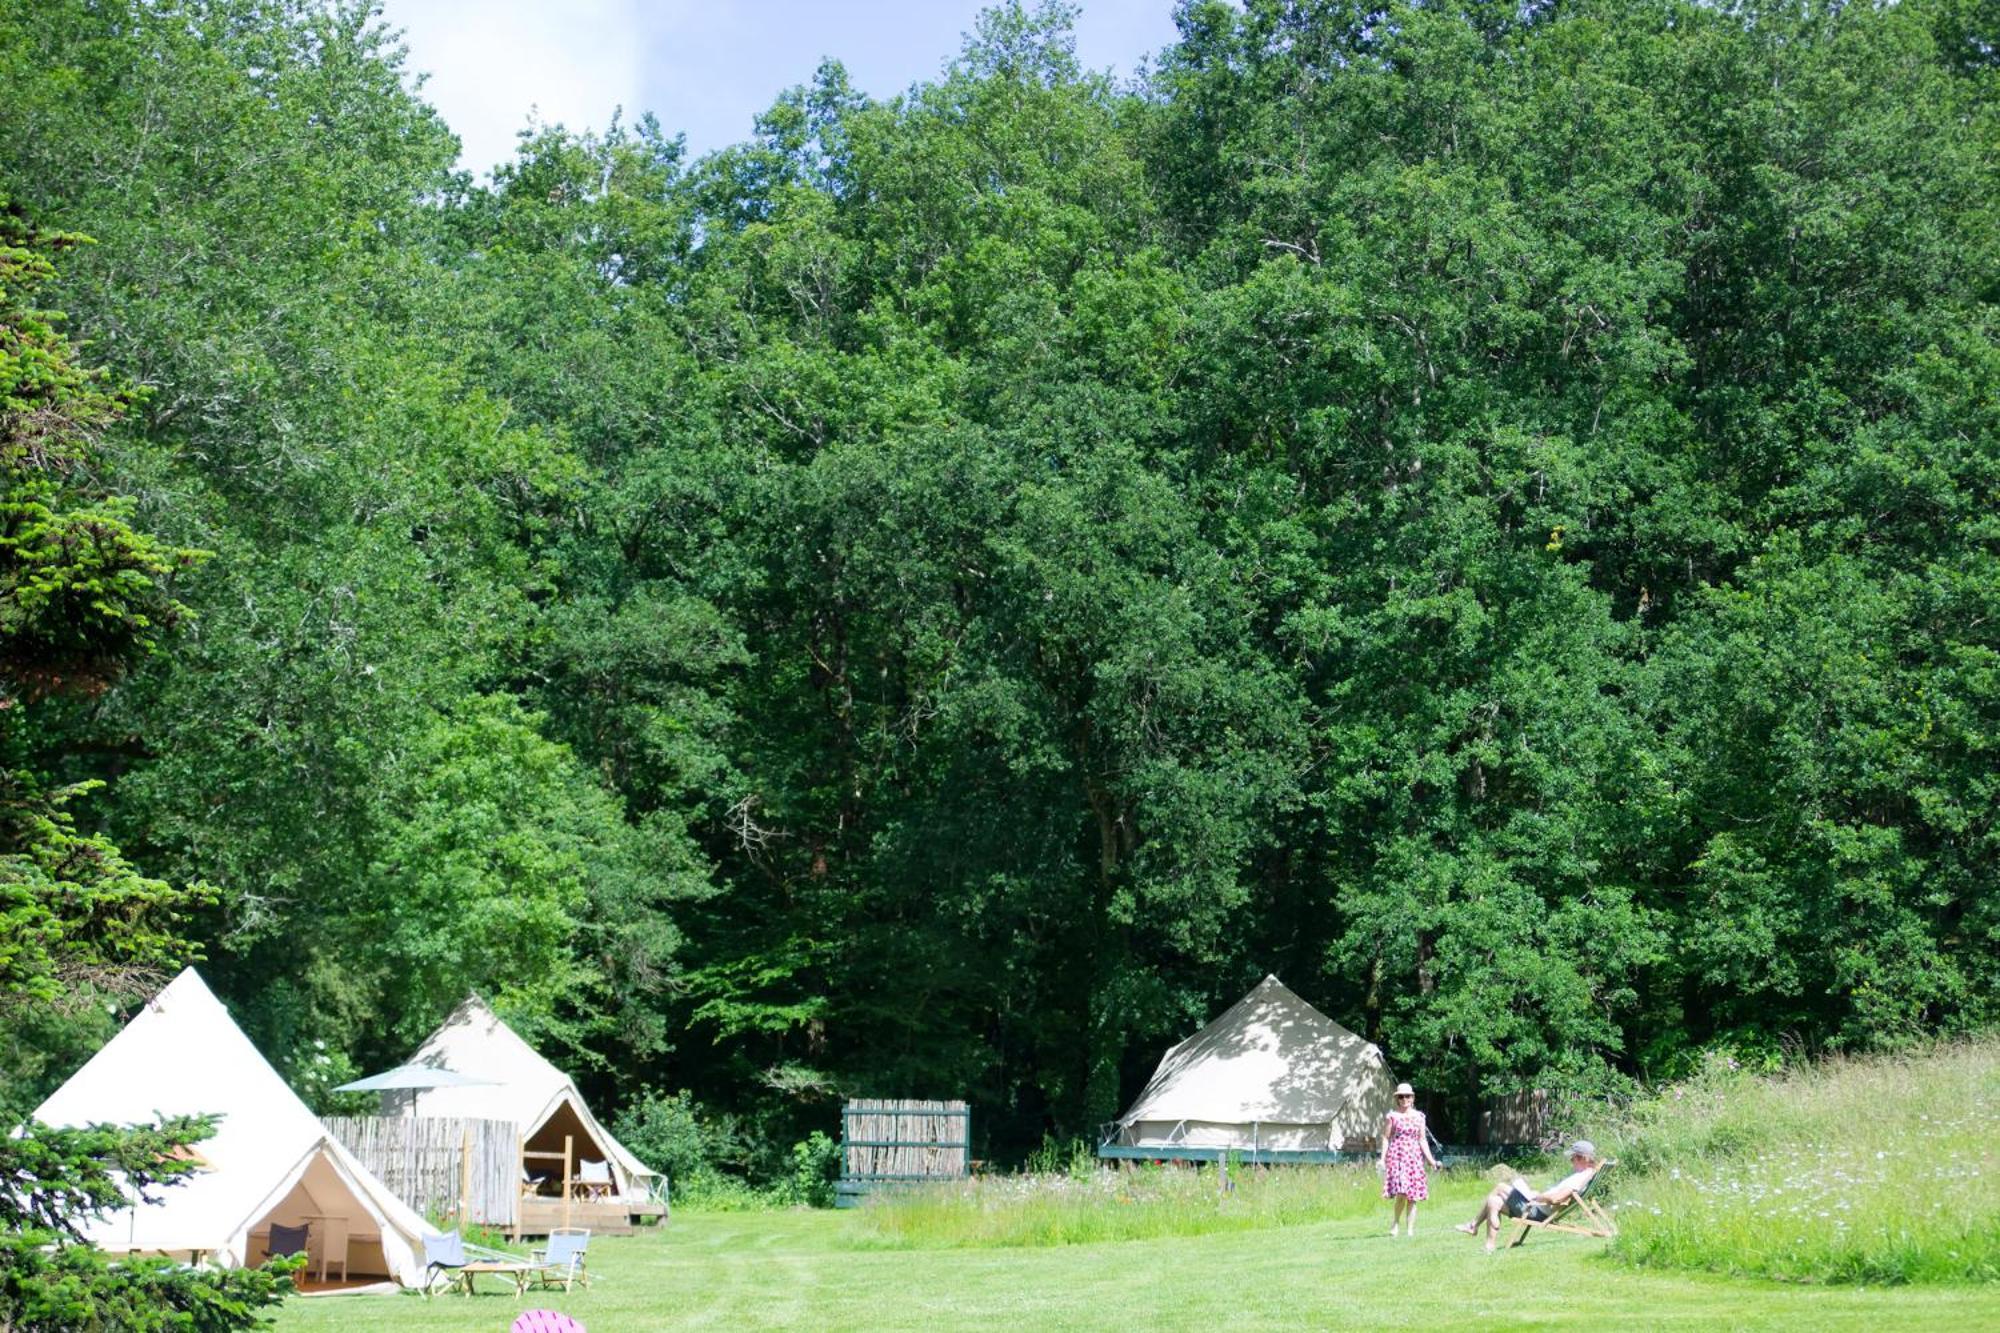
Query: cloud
x=493, y=63
x=705, y=67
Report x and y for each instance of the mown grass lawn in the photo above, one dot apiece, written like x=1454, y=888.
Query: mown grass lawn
x=817, y=1270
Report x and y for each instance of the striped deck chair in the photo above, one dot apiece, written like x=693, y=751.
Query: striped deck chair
x=1583, y=1215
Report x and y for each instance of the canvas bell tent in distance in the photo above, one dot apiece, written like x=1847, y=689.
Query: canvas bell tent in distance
x=1271, y=1080
x=269, y=1162
x=518, y=1085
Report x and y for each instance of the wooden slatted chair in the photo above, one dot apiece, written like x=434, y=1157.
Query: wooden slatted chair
x=1595, y=1218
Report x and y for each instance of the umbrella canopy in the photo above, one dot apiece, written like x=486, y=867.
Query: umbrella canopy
x=413, y=1076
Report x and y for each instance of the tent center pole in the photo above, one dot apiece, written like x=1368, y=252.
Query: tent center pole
x=569, y=1157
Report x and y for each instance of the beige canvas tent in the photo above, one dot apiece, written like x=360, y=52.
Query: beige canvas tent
x=1271, y=1075
x=523, y=1088
x=269, y=1161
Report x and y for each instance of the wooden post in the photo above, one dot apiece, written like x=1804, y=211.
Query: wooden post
x=569, y=1154
x=520, y=1183
x=465, y=1177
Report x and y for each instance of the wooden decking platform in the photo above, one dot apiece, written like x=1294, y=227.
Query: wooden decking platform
x=307, y=1285
x=616, y=1217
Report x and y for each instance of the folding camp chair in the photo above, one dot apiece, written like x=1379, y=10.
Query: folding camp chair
x=593, y=1180
x=287, y=1241
x=1596, y=1218
x=443, y=1257
x=561, y=1264
x=447, y=1255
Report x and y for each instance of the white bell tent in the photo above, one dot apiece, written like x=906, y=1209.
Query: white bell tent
x=269, y=1161
x=519, y=1085
x=1272, y=1076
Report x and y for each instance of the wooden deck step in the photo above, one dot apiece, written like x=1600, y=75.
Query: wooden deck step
x=619, y=1217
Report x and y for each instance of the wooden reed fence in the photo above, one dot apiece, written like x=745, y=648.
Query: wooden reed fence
x=901, y=1142
x=466, y=1170
x=1516, y=1118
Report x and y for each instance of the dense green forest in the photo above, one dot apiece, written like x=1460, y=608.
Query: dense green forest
x=1487, y=510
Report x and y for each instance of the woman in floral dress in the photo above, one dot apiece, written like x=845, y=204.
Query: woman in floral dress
x=1406, y=1148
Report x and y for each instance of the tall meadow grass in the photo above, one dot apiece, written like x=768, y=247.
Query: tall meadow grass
x=1880, y=1170
x=1081, y=1206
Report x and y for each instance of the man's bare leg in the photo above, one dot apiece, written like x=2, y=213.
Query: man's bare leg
x=1490, y=1208
x=1496, y=1210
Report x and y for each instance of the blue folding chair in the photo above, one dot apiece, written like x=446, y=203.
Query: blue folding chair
x=287, y=1241
x=561, y=1263
x=443, y=1257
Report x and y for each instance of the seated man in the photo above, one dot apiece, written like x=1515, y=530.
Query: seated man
x=1514, y=1199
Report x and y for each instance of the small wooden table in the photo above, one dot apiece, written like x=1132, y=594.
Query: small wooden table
x=520, y=1272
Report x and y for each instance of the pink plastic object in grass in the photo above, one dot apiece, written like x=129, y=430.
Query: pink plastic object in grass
x=545, y=1321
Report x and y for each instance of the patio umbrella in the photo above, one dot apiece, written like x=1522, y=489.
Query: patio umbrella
x=412, y=1076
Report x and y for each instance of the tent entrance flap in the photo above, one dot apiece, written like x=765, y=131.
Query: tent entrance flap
x=543, y=1146
x=340, y=1222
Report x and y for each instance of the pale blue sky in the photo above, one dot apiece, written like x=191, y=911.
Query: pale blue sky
x=702, y=68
